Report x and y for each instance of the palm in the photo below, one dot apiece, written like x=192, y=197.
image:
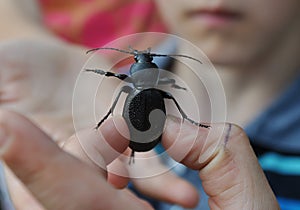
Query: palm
x=37, y=79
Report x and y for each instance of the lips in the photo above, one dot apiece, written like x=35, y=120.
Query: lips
x=215, y=17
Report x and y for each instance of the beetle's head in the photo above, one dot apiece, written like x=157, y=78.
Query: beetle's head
x=143, y=57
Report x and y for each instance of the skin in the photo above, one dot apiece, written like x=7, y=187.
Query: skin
x=258, y=29
x=180, y=193
x=33, y=156
x=35, y=171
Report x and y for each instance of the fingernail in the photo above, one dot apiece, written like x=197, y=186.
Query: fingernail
x=174, y=119
x=4, y=139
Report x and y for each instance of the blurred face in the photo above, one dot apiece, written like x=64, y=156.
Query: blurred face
x=234, y=32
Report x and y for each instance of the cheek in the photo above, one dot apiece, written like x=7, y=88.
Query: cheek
x=172, y=13
x=269, y=24
x=274, y=16
x=266, y=27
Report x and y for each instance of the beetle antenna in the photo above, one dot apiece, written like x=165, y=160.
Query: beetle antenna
x=175, y=55
x=110, y=48
x=134, y=52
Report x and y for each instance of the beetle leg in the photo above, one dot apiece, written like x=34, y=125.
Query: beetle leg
x=167, y=95
x=111, y=74
x=131, y=159
x=125, y=89
x=104, y=118
x=166, y=81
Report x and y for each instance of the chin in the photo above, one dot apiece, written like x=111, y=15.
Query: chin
x=225, y=51
x=227, y=57
x=234, y=61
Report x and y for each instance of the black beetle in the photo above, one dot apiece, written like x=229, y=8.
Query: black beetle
x=144, y=109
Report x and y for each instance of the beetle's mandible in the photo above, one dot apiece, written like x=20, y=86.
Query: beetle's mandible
x=144, y=109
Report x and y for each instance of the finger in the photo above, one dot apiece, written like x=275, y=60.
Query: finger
x=118, y=174
x=158, y=182
x=20, y=195
x=57, y=179
x=229, y=170
x=99, y=147
x=168, y=188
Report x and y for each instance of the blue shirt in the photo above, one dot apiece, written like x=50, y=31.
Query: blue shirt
x=275, y=137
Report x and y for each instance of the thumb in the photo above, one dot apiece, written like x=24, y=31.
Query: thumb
x=228, y=168
x=57, y=179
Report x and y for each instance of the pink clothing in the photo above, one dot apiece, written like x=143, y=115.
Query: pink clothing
x=94, y=23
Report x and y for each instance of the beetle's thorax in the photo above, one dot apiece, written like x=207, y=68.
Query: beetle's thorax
x=144, y=72
x=145, y=78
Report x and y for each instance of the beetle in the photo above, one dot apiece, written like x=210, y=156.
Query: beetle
x=144, y=108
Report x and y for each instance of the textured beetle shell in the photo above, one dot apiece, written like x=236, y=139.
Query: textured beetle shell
x=140, y=107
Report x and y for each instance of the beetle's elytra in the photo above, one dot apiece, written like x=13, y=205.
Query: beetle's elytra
x=144, y=109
